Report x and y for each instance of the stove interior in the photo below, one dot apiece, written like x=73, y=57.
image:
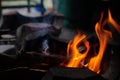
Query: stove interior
x=43, y=47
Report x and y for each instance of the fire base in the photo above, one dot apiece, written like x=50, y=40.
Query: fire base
x=64, y=73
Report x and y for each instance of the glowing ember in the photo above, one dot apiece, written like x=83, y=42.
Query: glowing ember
x=77, y=58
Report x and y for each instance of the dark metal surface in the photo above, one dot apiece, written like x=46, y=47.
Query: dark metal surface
x=65, y=73
x=22, y=73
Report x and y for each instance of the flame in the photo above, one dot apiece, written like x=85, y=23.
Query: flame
x=78, y=58
x=103, y=36
x=113, y=22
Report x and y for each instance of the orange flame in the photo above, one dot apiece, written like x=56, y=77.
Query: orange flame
x=77, y=58
x=103, y=36
x=113, y=22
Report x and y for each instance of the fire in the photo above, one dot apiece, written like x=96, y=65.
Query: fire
x=103, y=36
x=77, y=58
